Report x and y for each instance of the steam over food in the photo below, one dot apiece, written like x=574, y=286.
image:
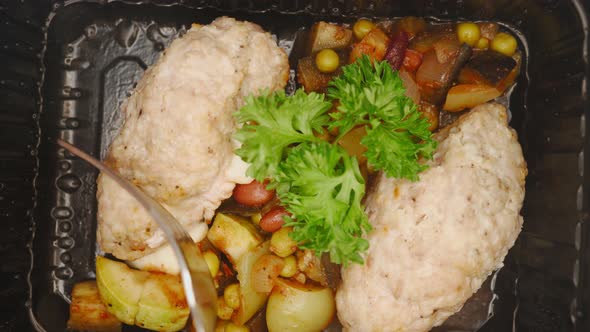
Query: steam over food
x=176, y=139
x=436, y=240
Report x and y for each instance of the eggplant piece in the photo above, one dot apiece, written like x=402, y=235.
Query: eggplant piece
x=230, y=206
x=424, y=41
x=411, y=25
x=488, y=68
x=325, y=35
x=447, y=47
x=311, y=78
x=332, y=271
x=435, y=78
x=511, y=77
x=258, y=321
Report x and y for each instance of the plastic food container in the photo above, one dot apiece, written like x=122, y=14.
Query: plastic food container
x=67, y=66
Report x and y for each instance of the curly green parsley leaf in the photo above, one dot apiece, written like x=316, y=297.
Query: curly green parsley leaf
x=372, y=94
x=322, y=187
x=272, y=123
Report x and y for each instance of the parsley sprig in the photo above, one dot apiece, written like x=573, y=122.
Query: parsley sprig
x=397, y=135
x=318, y=182
x=274, y=122
x=322, y=187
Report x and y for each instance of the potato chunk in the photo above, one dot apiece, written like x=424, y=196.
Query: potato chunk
x=88, y=312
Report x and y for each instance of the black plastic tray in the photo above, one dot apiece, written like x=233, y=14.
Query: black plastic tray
x=68, y=66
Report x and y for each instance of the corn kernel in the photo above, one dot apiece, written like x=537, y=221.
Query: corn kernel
x=231, y=295
x=223, y=310
x=281, y=243
x=290, y=267
x=256, y=218
x=483, y=43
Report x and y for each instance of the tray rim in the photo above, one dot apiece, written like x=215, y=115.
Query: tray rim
x=273, y=10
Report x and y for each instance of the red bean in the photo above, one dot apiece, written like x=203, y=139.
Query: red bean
x=273, y=220
x=397, y=50
x=253, y=193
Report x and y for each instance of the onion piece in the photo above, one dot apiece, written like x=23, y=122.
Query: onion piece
x=310, y=264
x=412, y=89
x=431, y=69
x=250, y=300
x=265, y=272
x=447, y=47
x=435, y=78
x=424, y=42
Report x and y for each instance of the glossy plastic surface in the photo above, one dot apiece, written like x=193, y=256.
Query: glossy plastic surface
x=68, y=66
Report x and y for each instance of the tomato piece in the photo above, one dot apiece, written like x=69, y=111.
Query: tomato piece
x=412, y=60
x=374, y=44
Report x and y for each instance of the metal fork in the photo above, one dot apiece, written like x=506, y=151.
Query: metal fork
x=198, y=285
